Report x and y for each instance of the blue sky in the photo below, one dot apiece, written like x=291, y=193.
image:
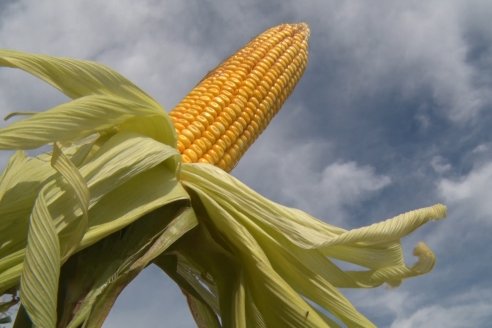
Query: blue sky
x=392, y=114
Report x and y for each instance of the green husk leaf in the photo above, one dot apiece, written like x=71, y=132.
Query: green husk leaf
x=6, y=319
x=97, y=275
x=82, y=117
x=110, y=204
x=295, y=248
x=20, y=184
x=41, y=269
x=204, y=315
x=266, y=286
x=213, y=266
x=100, y=90
x=75, y=78
x=71, y=174
x=114, y=175
x=105, y=104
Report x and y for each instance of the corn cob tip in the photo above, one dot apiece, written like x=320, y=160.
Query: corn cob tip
x=223, y=115
x=302, y=28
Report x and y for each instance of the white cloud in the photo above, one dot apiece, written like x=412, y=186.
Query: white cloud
x=409, y=307
x=410, y=47
x=338, y=185
x=142, y=41
x=471, y=194
x=382, y=304
x=482, y=148
x=303, y=175
x=423, y=43
x=467, y=310
x=440, y=164
x=463, y=315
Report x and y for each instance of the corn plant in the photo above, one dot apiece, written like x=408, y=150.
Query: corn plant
x=124, y=185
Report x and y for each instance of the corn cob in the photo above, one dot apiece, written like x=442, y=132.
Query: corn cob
x=225, y=113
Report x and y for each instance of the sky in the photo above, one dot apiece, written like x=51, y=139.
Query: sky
x=391, y=114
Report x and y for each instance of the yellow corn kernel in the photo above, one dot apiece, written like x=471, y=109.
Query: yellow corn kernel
x=223, y=115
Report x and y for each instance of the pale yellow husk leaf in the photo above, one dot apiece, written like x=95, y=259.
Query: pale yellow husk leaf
x=114, y=179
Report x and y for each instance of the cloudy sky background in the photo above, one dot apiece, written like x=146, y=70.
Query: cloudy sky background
x=393, y=113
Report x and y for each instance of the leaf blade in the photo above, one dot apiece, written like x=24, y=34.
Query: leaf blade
x=39, y=278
